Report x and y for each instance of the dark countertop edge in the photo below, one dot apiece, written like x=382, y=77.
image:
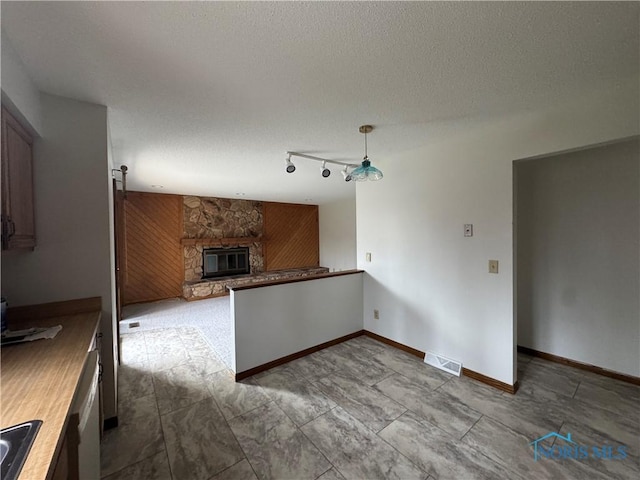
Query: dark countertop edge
x=283, y=281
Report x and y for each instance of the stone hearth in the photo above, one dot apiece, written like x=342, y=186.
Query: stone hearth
x=194, y=290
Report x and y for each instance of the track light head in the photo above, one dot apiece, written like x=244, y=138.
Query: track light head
x=346, y=175
x=325, y=171
x=290, y=166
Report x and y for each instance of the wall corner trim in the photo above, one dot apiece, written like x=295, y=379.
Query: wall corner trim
x=393, y=343
x=465, y=371
x=492, y=382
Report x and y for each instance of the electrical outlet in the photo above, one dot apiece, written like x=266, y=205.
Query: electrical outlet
x=376, y=314
x=493, y=266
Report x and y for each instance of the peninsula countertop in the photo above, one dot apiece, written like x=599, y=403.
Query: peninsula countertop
x=38, y=381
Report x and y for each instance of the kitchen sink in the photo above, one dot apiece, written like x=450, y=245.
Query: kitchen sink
x=15, y=443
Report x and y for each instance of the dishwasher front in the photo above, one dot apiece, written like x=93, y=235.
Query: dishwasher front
x=86, y=407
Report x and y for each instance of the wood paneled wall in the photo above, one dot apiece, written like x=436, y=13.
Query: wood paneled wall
x=151, y=254
x=153, y=266
x=291, y=236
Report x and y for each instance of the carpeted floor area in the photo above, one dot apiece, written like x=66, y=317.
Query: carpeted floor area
x=211, y=316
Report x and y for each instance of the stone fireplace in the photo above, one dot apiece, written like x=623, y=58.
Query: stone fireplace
x=226, y=225
x=220, y=223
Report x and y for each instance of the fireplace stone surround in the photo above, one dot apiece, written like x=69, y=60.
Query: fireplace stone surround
x=229, y=223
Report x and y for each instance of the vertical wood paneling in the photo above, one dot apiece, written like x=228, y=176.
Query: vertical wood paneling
x=152, y=266
x=291, y=236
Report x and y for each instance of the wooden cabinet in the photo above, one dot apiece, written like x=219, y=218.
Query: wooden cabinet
x=18, y=229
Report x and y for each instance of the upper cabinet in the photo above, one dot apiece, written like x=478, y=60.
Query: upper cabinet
x=18, y=229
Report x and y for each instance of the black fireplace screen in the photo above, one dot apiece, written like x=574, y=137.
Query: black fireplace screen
x=222, y=262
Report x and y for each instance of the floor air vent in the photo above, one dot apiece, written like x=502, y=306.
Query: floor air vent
x=443, y=363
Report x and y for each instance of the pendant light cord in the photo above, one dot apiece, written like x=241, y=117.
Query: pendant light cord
x=365, y=146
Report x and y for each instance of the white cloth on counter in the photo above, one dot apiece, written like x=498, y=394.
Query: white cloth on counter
x=47, y=333
x=30, y=334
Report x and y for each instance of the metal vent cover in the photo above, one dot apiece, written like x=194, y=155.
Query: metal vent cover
x=443, y=363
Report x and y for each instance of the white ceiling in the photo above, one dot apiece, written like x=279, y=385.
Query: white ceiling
x=205, y=97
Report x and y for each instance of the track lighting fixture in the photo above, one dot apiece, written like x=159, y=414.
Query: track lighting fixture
x=290, y=166
x=325, y=171
x=351, y=171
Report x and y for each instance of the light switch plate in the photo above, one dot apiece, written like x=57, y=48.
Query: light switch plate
x=493, y=266
x=468, y=230
x=368, y=257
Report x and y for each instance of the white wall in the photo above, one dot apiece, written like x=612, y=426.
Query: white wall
x=338, y=234
x=72, y=256
x=579, y=255
x=276, y=321
x=428, y=281
x=110, y=333
x=19, y=94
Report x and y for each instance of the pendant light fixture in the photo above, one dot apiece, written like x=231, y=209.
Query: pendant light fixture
x=351, y=171
x=366, y=171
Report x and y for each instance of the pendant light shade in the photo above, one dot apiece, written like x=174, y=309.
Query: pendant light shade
x=366, y=171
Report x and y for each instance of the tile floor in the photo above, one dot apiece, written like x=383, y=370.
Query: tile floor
x=358, y=410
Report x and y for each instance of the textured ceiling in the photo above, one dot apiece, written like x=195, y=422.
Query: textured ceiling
x=206, y=97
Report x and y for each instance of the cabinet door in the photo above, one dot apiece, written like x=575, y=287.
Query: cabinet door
x=17, y=185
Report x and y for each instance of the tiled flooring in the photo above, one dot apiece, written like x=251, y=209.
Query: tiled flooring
x=358, y=410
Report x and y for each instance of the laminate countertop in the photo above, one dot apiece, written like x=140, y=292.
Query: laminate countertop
x=38, y=381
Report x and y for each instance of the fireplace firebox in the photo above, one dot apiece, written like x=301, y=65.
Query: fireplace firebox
x=225, y=262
